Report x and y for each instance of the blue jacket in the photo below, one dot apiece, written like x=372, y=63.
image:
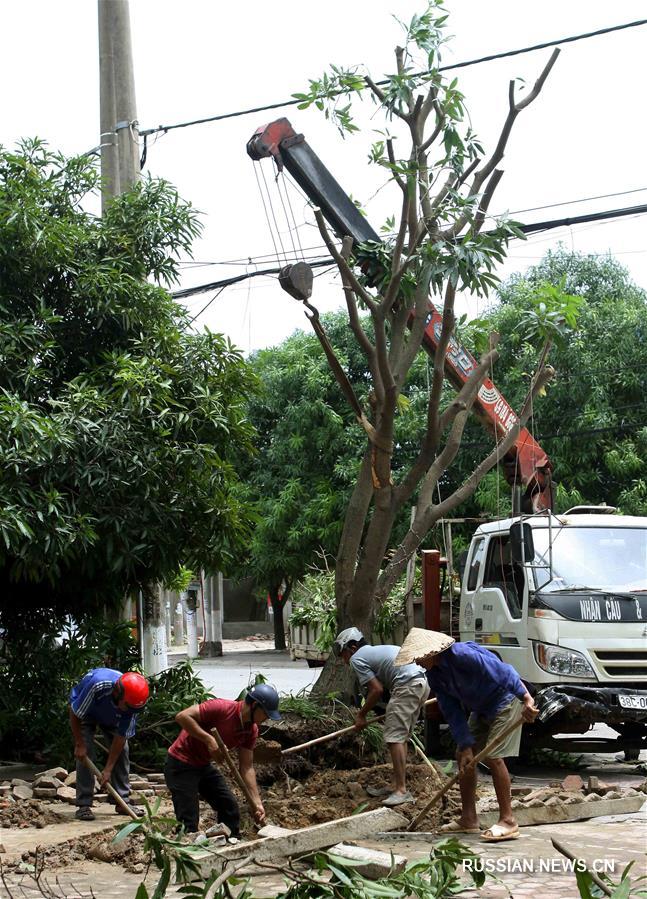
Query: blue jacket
x=468, y=676
x=91, y=700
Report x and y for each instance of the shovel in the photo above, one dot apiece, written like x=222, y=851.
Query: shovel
x=89, y=764
x=551, y=704
x=234, y=770
x=336, y=733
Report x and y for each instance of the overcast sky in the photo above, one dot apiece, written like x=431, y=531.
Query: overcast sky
x=585, y=136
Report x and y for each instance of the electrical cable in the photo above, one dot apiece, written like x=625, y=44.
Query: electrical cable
x=527, y=229
x=458, y=65
x=622, y=193
x=192, y=263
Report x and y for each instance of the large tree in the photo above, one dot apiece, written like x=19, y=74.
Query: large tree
x=117, y=426
x=445, y=240
x=307, y=454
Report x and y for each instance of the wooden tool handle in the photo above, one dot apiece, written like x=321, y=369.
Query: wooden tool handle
x=336, y=733
x=87, y=761
x=234, y=770
x=484, y=753
x=326, y=737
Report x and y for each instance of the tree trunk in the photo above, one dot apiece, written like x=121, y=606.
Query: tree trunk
x=278, y=604
x=337, y=677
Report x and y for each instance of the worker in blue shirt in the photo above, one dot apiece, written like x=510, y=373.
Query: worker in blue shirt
x=466, y=677
x=110, y=700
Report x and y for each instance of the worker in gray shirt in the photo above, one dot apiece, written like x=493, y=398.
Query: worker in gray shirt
x=408, y=688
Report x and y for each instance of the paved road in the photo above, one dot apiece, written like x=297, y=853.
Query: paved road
x=229, y=675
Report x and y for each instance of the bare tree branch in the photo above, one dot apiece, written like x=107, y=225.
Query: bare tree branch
x=342, y=264
x=486, y=199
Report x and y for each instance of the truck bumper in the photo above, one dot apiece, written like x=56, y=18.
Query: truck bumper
x=587, y=705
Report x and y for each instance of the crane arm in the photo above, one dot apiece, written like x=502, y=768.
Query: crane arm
x=526, y=464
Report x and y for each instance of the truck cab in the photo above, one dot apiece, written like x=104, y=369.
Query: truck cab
x=569, y=613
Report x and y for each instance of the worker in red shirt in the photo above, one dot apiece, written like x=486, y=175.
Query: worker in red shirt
x=189, y=772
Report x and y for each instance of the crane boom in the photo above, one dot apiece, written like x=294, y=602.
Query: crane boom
x=525, y=465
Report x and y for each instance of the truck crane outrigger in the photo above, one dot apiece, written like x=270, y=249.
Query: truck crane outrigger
x=526, y=466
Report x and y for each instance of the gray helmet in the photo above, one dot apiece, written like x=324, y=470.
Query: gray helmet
x=343, y=638
x=266, y=698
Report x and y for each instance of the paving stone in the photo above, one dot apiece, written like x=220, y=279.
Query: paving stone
x=45, y=792
x=47, y=782
x=70, y=780
x=573, y=782
x=58, y=772
x=67, y=794
x=22, y=791
x=521, y=791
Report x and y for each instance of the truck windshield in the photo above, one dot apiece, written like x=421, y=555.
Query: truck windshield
x=611, y=559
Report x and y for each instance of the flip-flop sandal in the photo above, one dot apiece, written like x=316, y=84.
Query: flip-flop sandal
x=457, y=827
x=497, y=834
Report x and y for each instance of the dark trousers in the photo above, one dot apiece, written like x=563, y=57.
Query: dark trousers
x=85, y=778
x=189, y=784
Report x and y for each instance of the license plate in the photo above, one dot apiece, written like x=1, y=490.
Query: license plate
x=633, y=702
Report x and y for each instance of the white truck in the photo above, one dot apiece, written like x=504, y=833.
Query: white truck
x=563, y=598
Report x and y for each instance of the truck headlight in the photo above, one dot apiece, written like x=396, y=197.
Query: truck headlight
x=557, y=660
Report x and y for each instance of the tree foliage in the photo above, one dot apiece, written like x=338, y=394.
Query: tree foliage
x=592, y=423
x=117, y=427
x=308, y=451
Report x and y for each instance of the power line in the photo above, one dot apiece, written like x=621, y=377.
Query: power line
x=580, y=219
x=622, y=193
x=527, y=229
x=458, y=65
x=192, y=263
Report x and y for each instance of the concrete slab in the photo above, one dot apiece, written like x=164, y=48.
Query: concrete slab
x=576, y=811
x=308, y=839
x=373, y=863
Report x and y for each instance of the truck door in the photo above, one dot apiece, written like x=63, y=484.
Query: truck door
x=471, y=581
x=501, y=605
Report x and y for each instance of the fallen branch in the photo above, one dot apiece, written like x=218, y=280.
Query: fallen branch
x=594, y=877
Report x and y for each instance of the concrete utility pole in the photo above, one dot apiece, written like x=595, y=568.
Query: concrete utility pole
x=119, y=172
x=119, y=134
x=212, y=645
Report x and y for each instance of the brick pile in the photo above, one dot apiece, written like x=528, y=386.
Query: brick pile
x=57, y=784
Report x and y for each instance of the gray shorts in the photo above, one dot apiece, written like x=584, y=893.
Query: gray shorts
x=403, y=709
x=485, y=730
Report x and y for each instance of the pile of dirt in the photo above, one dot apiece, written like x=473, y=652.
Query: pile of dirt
x=29, y=813
x=129, y=854
x=351, y=750
x=331, y=794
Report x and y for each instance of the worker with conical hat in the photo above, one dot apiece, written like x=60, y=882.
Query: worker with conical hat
x=468, y=676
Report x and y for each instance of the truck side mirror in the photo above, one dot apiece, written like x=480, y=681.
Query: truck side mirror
x=521, y=543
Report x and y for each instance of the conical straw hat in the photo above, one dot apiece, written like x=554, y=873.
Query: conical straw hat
x=420, y=643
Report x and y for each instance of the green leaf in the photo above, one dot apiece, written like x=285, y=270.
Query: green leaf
x=125, y=831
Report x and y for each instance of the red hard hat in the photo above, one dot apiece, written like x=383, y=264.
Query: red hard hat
x=134, y=689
